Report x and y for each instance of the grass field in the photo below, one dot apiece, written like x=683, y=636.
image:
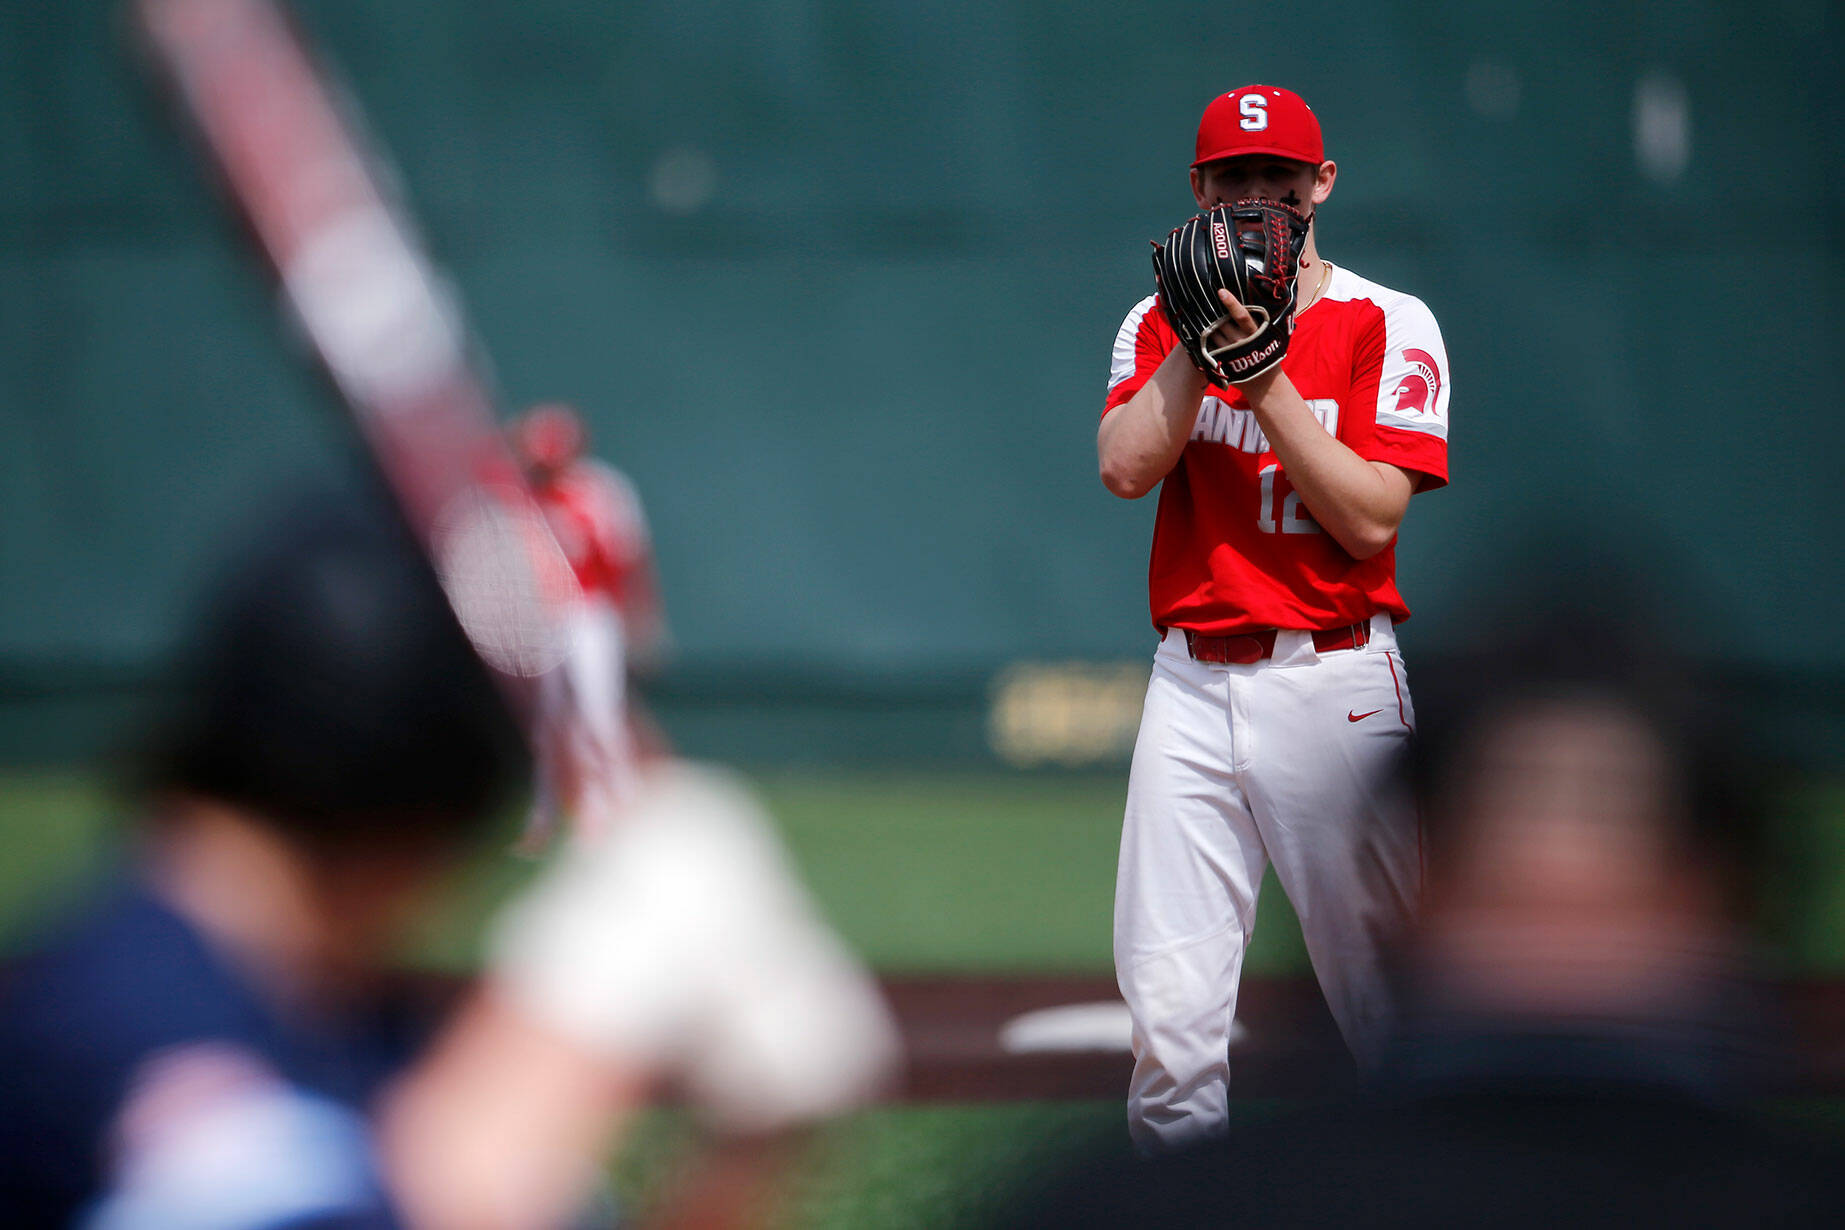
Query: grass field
x=964, y=871
x=902, y=1168
x=975, y=871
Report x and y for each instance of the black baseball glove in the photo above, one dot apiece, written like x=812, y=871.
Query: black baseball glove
x=1249, y=248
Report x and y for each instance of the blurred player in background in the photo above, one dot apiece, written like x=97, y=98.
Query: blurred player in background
x=1278, y=702
x=672, y=945
x=614, y=627
x=212, y=1044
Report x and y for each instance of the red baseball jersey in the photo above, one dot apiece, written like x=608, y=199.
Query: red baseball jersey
x=1233, y=546
x=596, y=518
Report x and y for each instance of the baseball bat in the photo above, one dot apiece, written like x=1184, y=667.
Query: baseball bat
x=290, y=148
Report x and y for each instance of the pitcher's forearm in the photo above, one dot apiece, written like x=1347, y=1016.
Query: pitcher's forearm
x=1360, y=503
x=1140, y=440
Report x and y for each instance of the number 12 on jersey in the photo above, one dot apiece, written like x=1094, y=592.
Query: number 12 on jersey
x=1293, y=519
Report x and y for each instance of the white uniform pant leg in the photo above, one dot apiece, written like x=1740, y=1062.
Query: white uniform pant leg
x=582, y=706
x=1336, y=818
x=598, y=674
x=1185, y=900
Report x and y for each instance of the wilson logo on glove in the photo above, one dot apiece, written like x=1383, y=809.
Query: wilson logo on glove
x=1241, y=364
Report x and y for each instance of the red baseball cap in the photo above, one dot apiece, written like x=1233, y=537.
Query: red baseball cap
x=550, y=434
x=1259, y=119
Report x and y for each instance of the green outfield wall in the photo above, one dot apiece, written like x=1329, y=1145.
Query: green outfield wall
x=836, y=282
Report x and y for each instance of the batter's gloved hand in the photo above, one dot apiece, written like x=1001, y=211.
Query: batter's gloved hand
x=1251, y=249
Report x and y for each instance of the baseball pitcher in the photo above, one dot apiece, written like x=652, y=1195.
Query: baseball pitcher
x=613, y=622
x=1287, y=409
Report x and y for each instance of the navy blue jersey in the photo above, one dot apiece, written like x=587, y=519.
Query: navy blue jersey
x=132, y=1053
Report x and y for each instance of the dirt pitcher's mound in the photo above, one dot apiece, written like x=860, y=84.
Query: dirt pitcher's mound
x=1009, y=1037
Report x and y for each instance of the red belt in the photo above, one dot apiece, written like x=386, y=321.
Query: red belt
x=1247, y=647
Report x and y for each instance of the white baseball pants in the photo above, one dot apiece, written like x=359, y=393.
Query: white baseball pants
x=584, y=704
x=1292, y=761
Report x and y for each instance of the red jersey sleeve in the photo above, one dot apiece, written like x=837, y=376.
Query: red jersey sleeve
x=1141, y=345
x=1401, y=368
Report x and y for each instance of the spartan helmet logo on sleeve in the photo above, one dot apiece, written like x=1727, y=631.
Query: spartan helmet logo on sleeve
x=1419, y=388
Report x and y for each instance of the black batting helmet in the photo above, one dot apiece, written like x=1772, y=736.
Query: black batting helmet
x=332, y=694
